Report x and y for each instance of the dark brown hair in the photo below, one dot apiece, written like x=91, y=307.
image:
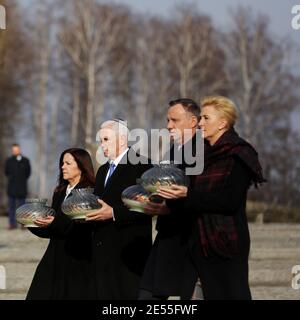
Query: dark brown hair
x=85, y=165
x=188, y=105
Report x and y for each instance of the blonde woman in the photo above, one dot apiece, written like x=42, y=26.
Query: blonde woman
x=219, y=242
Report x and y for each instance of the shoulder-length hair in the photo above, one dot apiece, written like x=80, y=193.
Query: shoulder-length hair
x=85, y=165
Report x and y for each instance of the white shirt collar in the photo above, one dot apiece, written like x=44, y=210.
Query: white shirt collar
x=69, y=189
x=119, y=158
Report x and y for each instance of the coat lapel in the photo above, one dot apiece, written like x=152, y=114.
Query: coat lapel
x=116, y=174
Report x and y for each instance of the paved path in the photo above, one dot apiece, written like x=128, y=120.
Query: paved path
x=275, y=250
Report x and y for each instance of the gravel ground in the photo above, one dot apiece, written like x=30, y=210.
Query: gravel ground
x=275, y=250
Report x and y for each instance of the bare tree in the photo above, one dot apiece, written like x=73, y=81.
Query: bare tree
x=89, y=35
x=39, y=89
x=195, y=54
x=265, y=89
x=174, y=58
x=14, y=69
x=153, y=82
x=107, y=61
x=260, y=81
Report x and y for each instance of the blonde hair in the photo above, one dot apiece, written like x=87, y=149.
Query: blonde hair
x=224, y=106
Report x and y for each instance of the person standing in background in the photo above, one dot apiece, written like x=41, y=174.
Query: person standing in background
x=17, y=171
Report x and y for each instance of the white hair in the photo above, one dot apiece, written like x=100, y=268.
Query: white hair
x=119, y=126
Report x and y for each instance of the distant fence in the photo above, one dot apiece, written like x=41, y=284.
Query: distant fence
x=267, y=213
x=256, y=212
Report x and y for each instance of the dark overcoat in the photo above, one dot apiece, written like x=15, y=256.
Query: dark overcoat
x=66, y=269
x=17, y=172
x=121, y=246
x=167, y=272
x=101, y=260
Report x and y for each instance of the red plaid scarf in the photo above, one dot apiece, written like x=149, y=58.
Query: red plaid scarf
x=218, y=232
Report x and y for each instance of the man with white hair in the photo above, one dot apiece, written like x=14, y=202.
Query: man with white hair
x=121, y=238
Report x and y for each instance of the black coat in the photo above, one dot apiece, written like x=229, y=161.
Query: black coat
x=167, y=263
x=122, y=246
x=176, y=261
x=17, y=173
x=66, y=270
x=222, y=278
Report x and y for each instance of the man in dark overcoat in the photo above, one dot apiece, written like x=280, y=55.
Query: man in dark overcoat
x=17, y=171
x=168, y=271
x=122, y=238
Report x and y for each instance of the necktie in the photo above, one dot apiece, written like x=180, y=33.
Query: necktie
x=112, y=168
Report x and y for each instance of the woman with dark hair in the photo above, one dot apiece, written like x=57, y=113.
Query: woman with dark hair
x=65, y=271
x=219, y=241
